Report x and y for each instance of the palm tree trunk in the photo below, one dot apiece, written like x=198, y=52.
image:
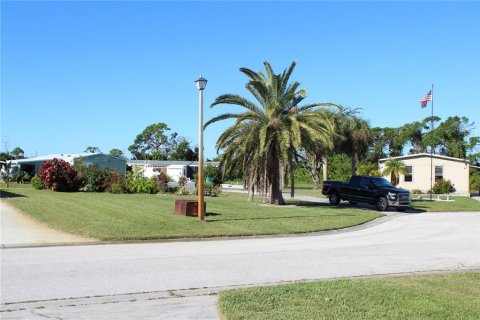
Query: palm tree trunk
x=354, y=163
x=275, y=191
x=292, y=183
x=292, y=174
x=325, y=168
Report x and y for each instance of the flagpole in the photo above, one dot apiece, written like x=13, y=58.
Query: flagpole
x=431, y=151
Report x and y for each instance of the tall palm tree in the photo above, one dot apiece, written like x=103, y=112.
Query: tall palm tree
x=356, y=136
x=394, y=168
x=264, y=136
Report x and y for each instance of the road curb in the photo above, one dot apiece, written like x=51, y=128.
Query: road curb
x=362, y=226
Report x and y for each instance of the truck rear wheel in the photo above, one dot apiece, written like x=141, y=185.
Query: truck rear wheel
x=381, y=204
x=333, y=198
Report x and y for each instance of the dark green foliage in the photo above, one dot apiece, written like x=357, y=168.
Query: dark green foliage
x=17, y=153
x=339, y=168
x=116, y=153
x=116, y=183
x=93, y=178
x=368, y=169
x=154, y=144
x=443, y=186
x=137, y=183
x=92, y=149
x=213, y=173
x=475, y=180
x=302, y=175
x=37, y=183
x=21, y=177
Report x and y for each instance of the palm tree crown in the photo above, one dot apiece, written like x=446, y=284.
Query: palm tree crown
x=394, y=168
x=264, y=136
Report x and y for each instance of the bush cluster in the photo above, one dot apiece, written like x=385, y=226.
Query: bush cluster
x=58, y=175
x=93, y=178
x=21, y=177
x=443, y=186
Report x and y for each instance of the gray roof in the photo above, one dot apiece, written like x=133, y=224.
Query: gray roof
x=165, y=163
x=58, y=156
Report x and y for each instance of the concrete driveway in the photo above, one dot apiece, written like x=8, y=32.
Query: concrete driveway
x=172, y=280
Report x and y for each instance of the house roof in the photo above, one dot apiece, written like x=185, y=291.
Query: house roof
x=426, y=155
x=58, y=156
x=166, y=163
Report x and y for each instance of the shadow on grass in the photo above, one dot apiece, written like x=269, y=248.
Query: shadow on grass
x=8, y=194
x=212, y=214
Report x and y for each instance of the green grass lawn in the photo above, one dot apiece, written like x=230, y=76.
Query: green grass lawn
x=460, y=204
x=447, y=296
x=107, y=216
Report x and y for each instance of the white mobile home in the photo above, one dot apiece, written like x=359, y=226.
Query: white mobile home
x=425, y=169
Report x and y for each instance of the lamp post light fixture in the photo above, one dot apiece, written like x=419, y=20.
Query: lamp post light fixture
x=201, y=84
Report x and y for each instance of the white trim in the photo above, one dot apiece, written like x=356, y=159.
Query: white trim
x=428, y=155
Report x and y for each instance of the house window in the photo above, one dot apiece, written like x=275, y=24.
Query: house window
x=438, y=173
x=409, y=176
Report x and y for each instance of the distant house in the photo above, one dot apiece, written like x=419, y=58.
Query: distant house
x=174, y=169
x=32, y=165
x=419, y=174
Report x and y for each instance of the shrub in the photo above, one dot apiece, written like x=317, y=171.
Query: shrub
x=212, y=190
x=21, y=177
x=93, y=178
x=162, y=182
x=182, y=190
x=58, y=175
x=37, y=183
x=213, y=173
x=416, y=191
x=443, y=186
x=116, y=183
x=139, y=184
x=116, y=188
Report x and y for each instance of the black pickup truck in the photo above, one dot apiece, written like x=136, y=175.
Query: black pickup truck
x=373, y=190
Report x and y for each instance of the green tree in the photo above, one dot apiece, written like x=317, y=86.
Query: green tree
x=394, y=168
x=116, y=152
x=91, y=149
x=368, y=169
x=357, y=139
x=264, y=137
x=17, y=153
x=183, y=151
x=475, y=180
x=453, y=137
x=154, y=144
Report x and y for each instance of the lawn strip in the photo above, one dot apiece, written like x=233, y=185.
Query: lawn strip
x=107, y=216
x=444, y=296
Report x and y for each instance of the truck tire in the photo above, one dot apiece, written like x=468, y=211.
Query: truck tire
x=381, y=204
x=333, y=198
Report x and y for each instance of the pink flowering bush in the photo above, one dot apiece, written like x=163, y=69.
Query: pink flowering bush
x=58, y=175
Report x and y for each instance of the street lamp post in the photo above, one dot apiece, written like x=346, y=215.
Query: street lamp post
x=201, y=84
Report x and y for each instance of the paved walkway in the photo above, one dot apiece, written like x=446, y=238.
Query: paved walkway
x=19, y=229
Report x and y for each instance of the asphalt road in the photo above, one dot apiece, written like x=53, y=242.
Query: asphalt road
x=146, y=273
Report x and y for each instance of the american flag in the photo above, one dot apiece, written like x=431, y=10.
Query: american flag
x=425, y=99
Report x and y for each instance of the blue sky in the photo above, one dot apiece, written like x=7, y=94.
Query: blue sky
x=78, y=74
